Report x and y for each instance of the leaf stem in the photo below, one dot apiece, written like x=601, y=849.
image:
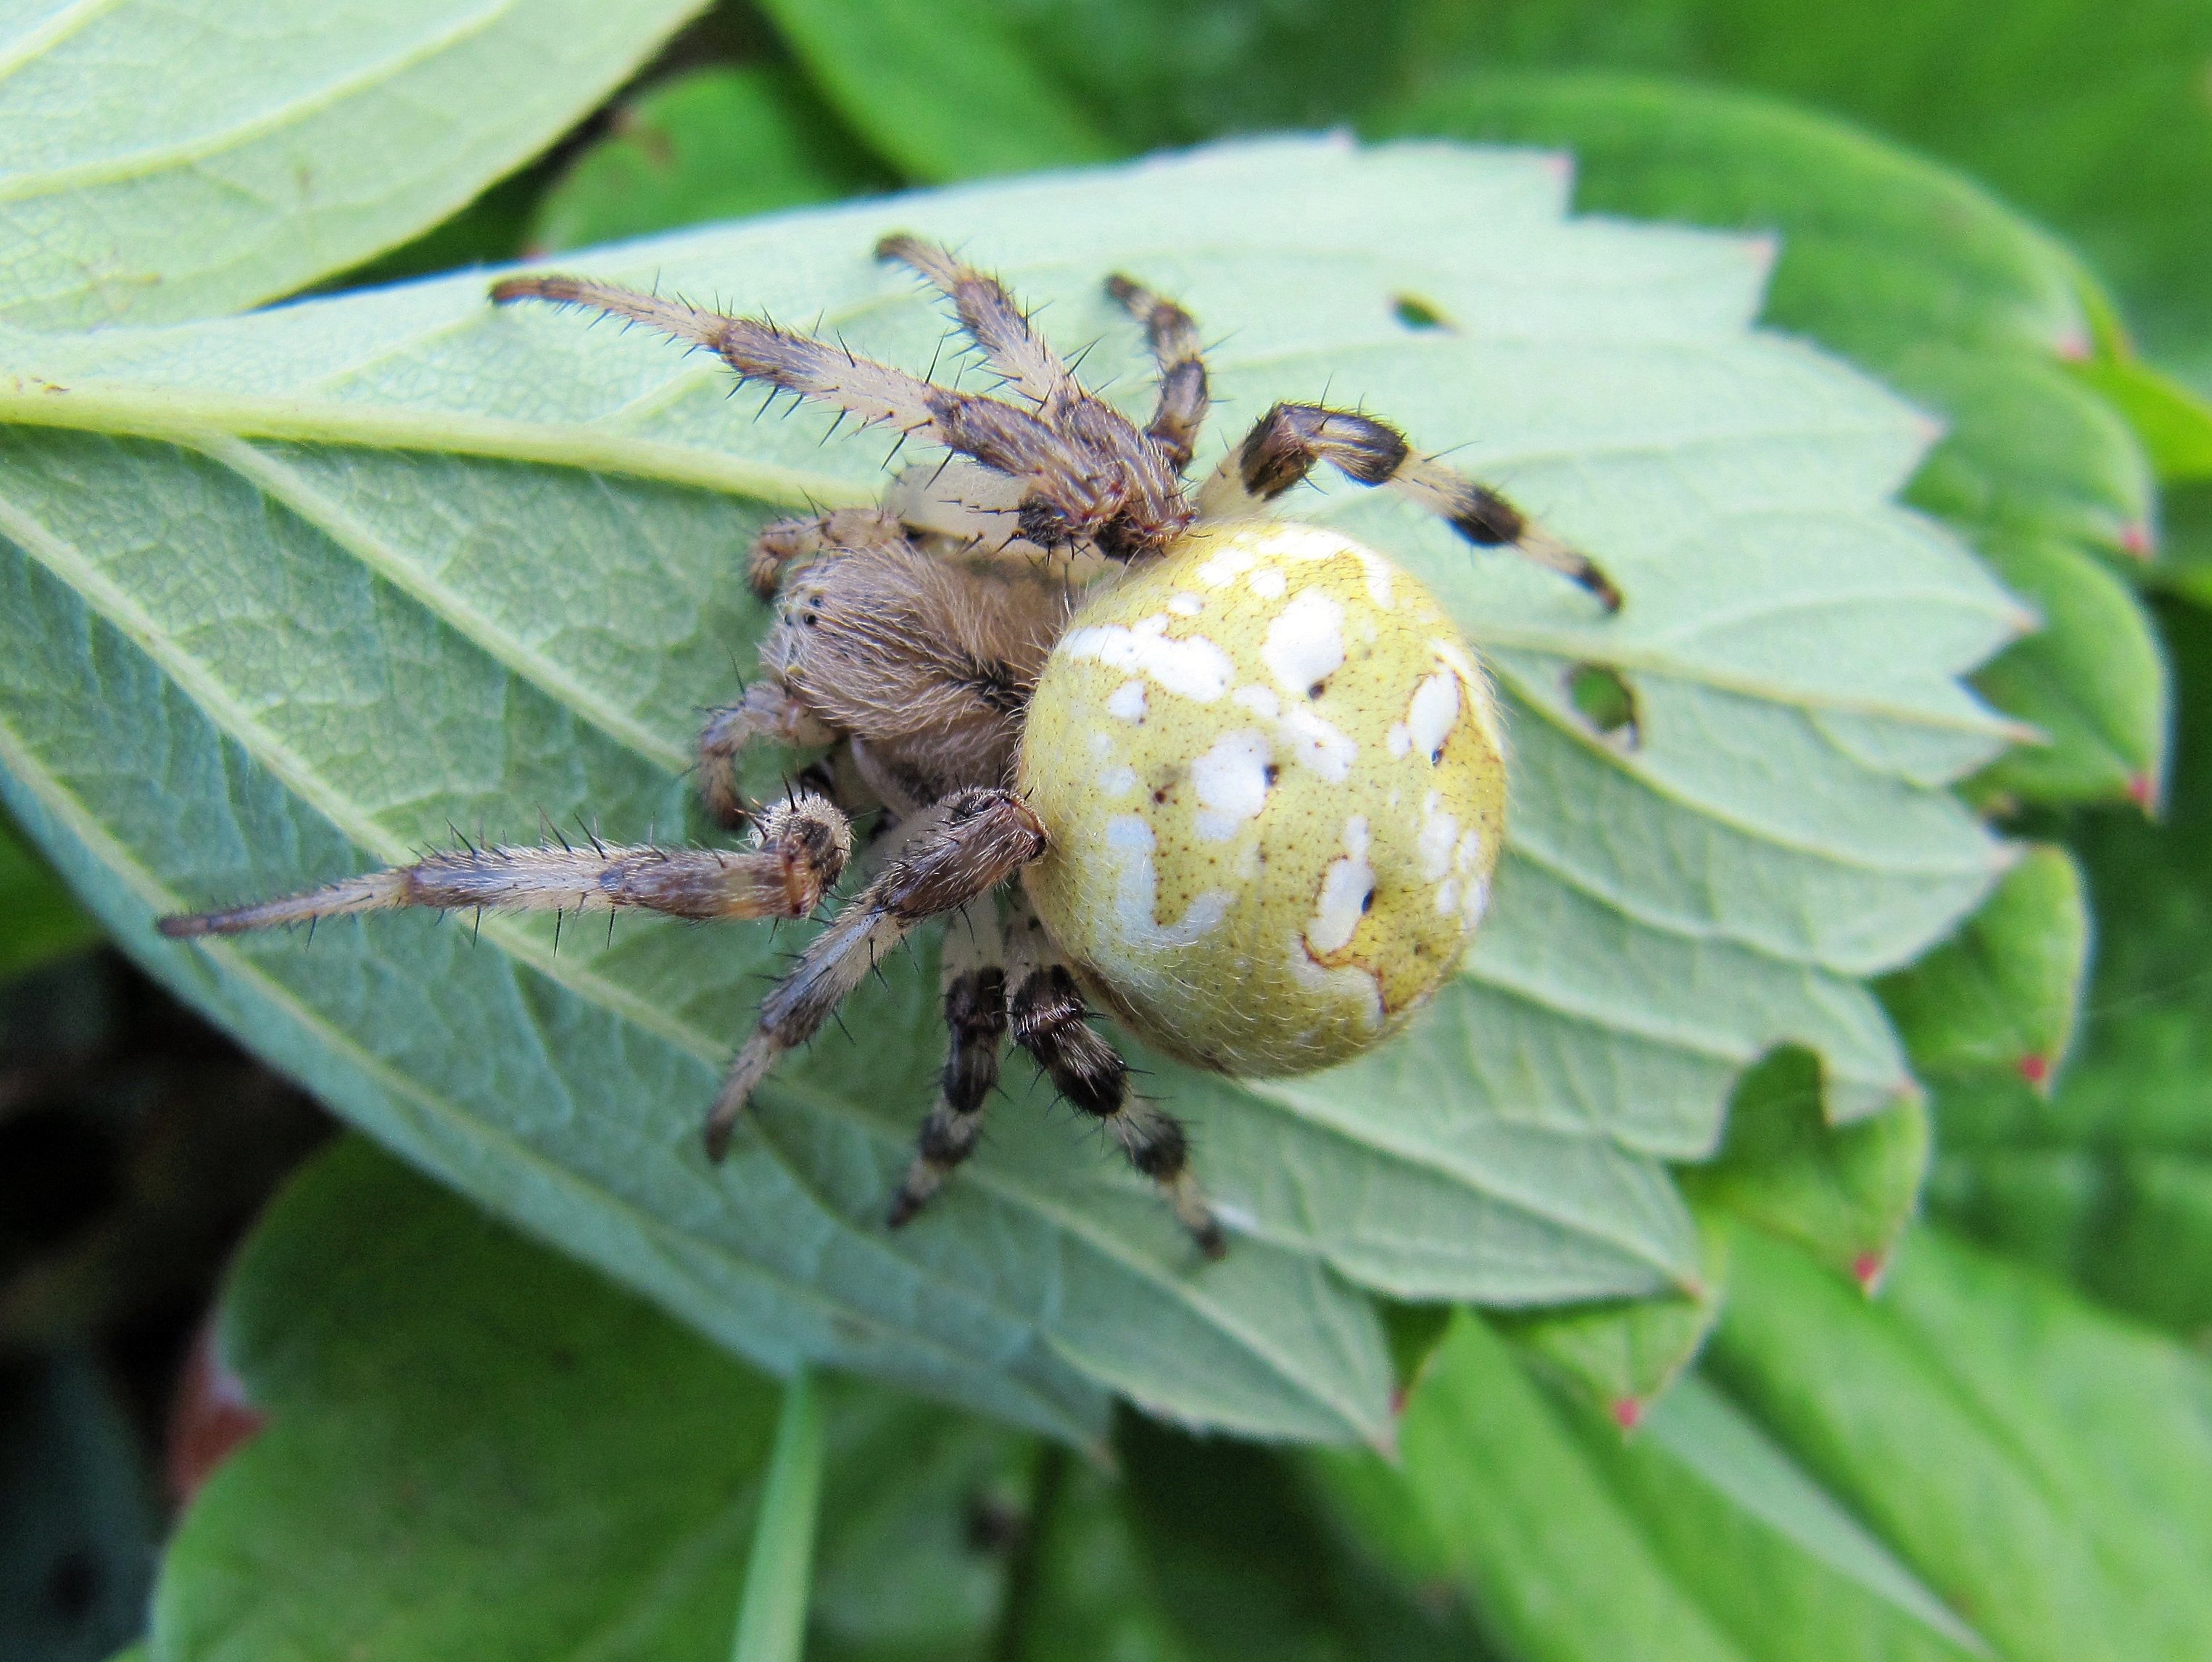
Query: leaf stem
x=1025, y=1568
x=772, y=1619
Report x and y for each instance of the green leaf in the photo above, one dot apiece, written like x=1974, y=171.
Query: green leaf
x=2109, y=1182
x=2092, y=682
x=491, y=230
x=2174, y=422
x=919, y=1508
x=2130, y=1228
x=474, y=1447
x=1568, y=1538
x=1921, y=276
x=2093, y=117
x=2185, y=562
x=716, y=143
x=940, y=89
x=275, y=143
x=2003, y=994
x=2043, y=1468
x=335, y=610
x=1720, y=1541
x=1243, y=1562
x=2137, y=1078
x=1842, y=1193
x=478, y=1448
x=1412, y=1331
x=38, y=920
x=1622, y=1355
x=1498, y=1485
x=951, y=89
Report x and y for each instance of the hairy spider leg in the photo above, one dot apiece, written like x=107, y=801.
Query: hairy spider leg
x=1285, y=445
x=1051, y=1022
x=1157, y=512
x=803, y=845
x=974, y=841
x=1173, y=336
x=992, y=321
x=975, y=1001
x=769, y=710
x=1079, y=489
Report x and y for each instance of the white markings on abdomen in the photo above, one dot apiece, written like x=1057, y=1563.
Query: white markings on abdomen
x=1345, y=889
x=1195, y=668
x=1231, y=780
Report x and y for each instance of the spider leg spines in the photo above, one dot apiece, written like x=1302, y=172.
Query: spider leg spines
x=371, y=891
x=1183, y=397
x=1291, y=439
x=992, y=319
x=1046, y=1014
x=1134, y=505
x=1048, y=1017
x=974, y=1003
x=670, y=317
x=803, y=847
x=977, y=839
x=1003, y=438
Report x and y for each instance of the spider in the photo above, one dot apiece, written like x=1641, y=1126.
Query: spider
x=1237, y=781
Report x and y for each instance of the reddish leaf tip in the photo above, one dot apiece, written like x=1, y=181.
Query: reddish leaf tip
x=2075, y=346
x=212, y=1420
x=2137, y=538
x=1867, y=1270
x=2142, y=791
x=1628, y=1413
x=2035, y=1068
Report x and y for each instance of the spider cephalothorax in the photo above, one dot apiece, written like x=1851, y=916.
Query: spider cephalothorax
x=1239, y=780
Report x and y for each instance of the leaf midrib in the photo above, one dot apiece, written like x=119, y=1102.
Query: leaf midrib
x=130, y=411
x=200, y=420
x=55, y=28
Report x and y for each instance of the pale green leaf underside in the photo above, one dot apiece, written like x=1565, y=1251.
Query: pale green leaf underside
x=257, y=145
x=247, y=647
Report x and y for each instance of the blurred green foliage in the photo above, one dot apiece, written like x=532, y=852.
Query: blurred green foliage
x=38, y=920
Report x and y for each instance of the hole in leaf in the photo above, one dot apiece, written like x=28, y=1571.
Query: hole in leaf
x=1417, y=313
x=1601, y=698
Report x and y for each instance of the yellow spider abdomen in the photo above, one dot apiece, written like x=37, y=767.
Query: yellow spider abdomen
x=1273, y=788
